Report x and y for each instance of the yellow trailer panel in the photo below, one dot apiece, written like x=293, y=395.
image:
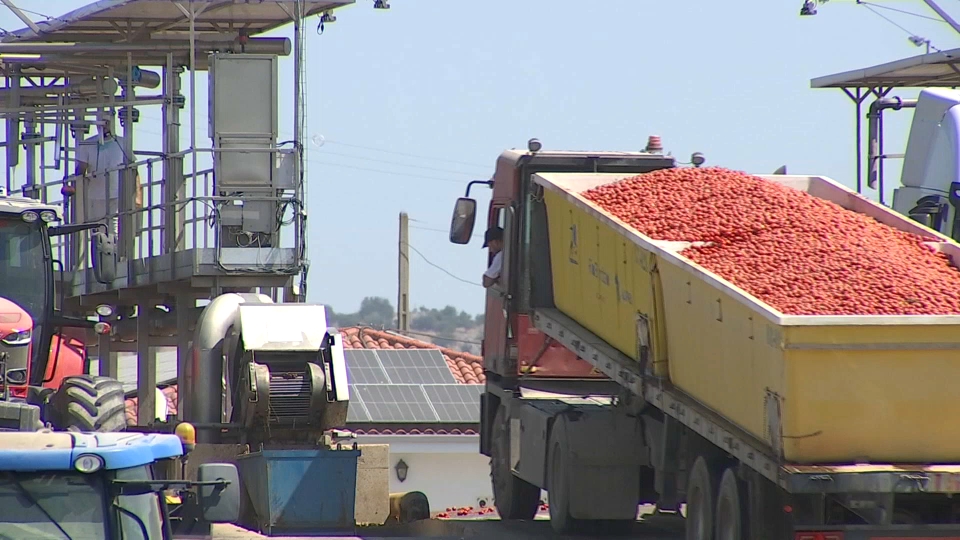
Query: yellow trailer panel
x=818, y=389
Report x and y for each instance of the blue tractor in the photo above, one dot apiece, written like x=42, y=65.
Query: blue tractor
x=72, y=485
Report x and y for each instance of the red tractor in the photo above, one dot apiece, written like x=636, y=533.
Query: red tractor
x=42, y=355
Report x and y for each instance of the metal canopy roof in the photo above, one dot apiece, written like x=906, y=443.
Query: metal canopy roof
x=933, y=69
x=111, y=20
x=97, y=37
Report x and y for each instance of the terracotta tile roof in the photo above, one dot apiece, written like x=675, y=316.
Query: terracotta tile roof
x=467, y=368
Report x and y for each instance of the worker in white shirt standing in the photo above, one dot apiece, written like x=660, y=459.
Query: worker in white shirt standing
x=101, y=189
x=493, y=240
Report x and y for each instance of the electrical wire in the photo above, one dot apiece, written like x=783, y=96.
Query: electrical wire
x=48, y=17
x=375, y=160
x=432, y=158
x=361, y=158
x=434, y=337
x=442, y=269
x=891, y=21
x=381, y=171
x=905, y=12
x=381, y=328
x=433, y=229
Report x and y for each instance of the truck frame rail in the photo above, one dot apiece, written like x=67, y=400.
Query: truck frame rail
x=751, y=452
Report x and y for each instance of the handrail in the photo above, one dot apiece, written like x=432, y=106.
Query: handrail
x=196, y=213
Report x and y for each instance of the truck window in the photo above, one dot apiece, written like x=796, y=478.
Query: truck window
x=143, y=508
x=497, y=218
x=500, y=217
x=51, y=505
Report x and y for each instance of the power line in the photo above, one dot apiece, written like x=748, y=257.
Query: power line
x=397, y=331
x=420, y=176
x=432, y=158
x=435, y=337
x=442, y=269
x=362, y=158
x=368, y=169
x=433, y=229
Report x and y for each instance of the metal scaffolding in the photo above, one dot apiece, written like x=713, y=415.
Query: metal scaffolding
x=185, y=233
x=932, y=70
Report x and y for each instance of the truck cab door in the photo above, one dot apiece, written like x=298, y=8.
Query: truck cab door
x=496, y=322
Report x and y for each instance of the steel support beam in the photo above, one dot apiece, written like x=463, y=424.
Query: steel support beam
x=943, y=15
x=186, y=317
x=20, y=15
x=146, y=368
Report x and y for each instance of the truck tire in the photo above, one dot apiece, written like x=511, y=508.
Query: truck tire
x=88, y=403
x=766, y=516
x=514, y=498
x=558, y=484
x=729, y=514
x=701, y=494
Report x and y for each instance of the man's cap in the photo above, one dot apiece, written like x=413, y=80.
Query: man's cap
x=493, y=233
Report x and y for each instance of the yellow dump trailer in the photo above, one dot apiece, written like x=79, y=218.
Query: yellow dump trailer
x=817, y=389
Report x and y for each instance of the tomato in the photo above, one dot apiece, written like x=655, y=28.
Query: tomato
x=797, y=253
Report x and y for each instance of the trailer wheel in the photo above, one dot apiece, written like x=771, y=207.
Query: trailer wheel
x=558, y=484
x=701, y=493
x=766, y=515
x=88, y=403
x=729, y=515
x=514, y=498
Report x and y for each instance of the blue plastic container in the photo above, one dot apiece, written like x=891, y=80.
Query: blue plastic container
x=301, y=491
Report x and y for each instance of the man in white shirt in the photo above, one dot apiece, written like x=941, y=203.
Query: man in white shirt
x=493, y=239
x=101, y=189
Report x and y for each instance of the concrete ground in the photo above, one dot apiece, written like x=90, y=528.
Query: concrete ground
x=648, y=529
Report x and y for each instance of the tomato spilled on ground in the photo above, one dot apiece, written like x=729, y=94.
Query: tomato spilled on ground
x=799, y=254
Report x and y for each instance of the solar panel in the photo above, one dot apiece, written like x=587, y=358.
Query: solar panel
x=455, y=403
x=356, y=411
x=363, y=367
x=395, y=403
x=412, y=366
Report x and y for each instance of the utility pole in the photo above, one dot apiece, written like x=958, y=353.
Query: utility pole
x=403, y=275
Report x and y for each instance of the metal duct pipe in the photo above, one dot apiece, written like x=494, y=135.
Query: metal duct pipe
x=86, y=87
x=873, y=133
x=204, y=366
x=274, y=45
x=142, y=78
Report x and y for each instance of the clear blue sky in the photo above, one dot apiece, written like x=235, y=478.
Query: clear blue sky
x=415, y=101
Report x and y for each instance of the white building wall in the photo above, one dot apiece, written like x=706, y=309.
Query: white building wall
x=446, y=479
x=448, y=469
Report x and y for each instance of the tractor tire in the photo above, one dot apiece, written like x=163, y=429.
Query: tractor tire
x=88, y=403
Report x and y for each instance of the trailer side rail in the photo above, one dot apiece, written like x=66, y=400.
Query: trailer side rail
x=850, y=478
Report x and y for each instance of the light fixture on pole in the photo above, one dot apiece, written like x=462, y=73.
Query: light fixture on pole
x=920, y=41
x=809, y=8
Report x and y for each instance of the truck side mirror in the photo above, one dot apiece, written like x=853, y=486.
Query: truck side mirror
x=219, y=503
x=464, y=215
x=104, y=250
